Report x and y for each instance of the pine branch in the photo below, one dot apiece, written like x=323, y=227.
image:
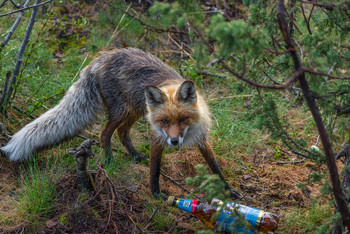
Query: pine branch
x=293, y=23
x=326, y=6
x=150, y=27
x=332, y=167
x=307, y=21
x=335, y=21
x=310, y=70
x=240, y=75
x=346, y=177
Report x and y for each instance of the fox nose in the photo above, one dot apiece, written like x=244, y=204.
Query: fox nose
x=174, y=141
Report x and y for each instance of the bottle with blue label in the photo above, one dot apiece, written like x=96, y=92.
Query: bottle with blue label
x=227, y=220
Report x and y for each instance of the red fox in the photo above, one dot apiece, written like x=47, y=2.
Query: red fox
x=126, y=84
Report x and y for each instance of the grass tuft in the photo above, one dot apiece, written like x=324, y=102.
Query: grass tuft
x=306, y=222
x=37, y=194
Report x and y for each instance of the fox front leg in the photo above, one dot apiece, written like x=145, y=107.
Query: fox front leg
x=155, y=160
x=209, y=157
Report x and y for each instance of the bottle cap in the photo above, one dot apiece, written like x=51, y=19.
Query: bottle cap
x=216, y=202
x=170, y=200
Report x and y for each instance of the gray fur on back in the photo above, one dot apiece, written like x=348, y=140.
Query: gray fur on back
x=79, y=107
x=113, y=82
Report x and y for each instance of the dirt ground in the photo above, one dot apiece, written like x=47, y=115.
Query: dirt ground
x=265, y=185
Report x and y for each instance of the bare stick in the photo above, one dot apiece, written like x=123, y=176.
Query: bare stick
x=14, y=26
x=4, y=89
x=292, y=162
x=310, y=70
x=5, y=131
x=211, y=74
x=26, y=8
x=305, y=19
x=137, y=226
x=292, y=21
x=21, y=53
x=262, y=161
x=150, y=218
x=3, y=4
x=15, y=4
x=346, y=177
x=172, y=180
x=114, y=34
x=326, y=6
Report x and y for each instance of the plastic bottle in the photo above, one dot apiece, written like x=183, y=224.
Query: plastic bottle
x=265, y=222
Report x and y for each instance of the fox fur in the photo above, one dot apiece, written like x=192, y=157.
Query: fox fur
x=126, y=84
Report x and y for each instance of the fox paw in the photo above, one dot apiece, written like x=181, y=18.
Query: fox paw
x=235, y=194
x=139, y=157
x=163, y=195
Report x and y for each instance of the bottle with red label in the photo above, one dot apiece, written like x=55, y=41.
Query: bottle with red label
x=259, y=220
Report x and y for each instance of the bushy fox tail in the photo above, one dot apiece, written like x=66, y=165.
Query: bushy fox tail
x=79, y=107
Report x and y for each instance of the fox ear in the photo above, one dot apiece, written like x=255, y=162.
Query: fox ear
x=187, y=92
x=154, y=96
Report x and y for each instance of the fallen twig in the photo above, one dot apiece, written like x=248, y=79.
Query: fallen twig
x=181, y=47
x=292, y=162
x=137, y=226
x=115, y=228
x=262, y=161
x=235, y=96
x=342, y=152
x=172, y=180
x=17, y=229
x=150, y=218
x=175, y=222
x=211, y=74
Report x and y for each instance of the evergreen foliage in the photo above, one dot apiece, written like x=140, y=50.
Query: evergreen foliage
x=250, y=46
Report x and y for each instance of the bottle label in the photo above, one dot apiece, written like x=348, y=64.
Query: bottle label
x=228, y=217
x=187, y=205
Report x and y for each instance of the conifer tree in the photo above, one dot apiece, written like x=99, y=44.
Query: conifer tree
x=296, y=53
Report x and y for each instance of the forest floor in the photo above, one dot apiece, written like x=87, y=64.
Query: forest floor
x=266, y=185
x=122, y=202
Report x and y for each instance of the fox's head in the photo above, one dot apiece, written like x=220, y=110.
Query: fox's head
x=175, y=113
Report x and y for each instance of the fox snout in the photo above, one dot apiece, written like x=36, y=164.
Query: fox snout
x=173, y=134
x=174, y=141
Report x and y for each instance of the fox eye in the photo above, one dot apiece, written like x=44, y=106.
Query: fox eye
x=164, y=121
x=183, y=119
